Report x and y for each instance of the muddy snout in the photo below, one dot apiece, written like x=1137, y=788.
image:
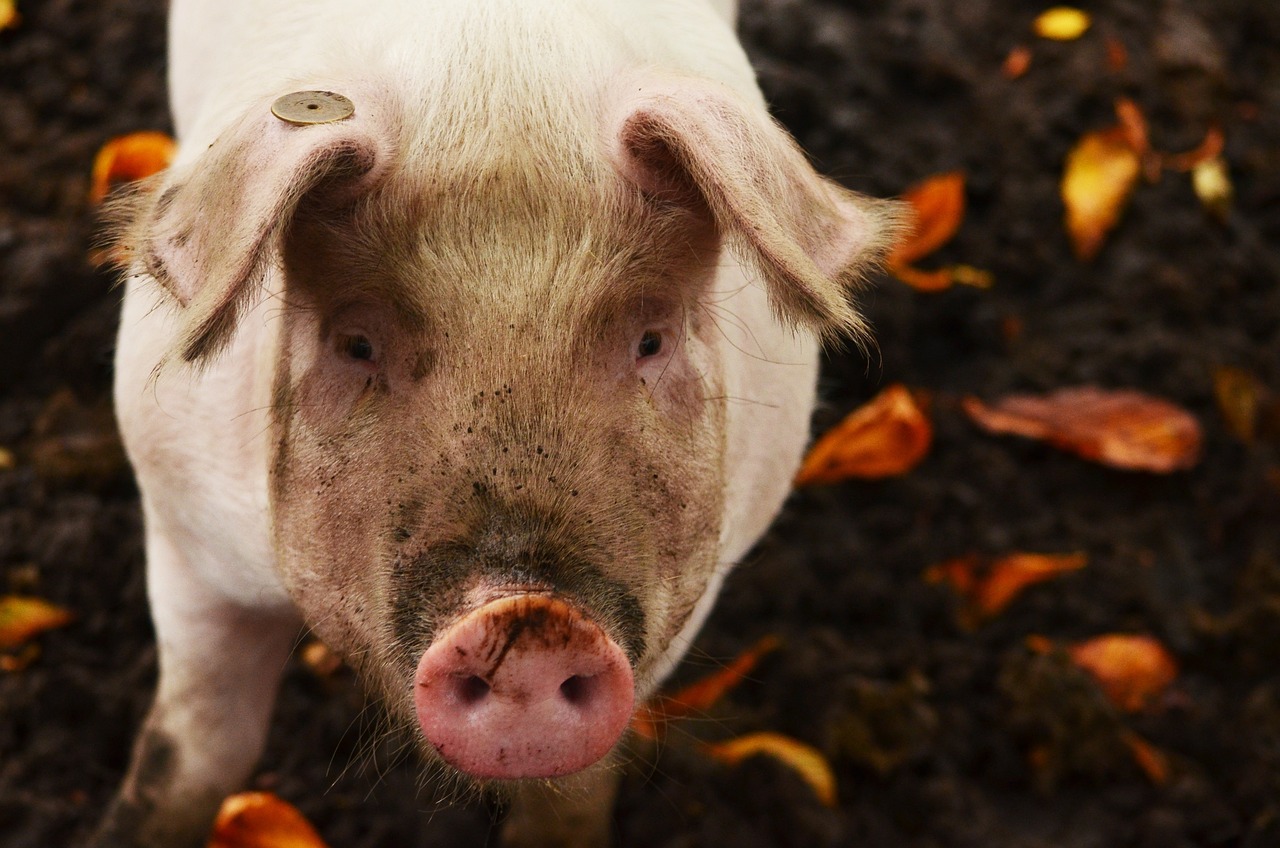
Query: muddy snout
x=524, y=686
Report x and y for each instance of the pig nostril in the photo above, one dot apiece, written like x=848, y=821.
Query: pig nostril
x=577, y=690
x=472, y=689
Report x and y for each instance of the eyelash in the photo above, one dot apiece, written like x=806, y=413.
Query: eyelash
x=358, y=348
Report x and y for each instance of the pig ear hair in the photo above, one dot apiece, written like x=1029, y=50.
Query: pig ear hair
x=697, y=143
x=209, y=233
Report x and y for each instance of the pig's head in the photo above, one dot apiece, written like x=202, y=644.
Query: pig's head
x=498, y=476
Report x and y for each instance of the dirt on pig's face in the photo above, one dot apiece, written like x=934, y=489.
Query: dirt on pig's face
x=497, y=379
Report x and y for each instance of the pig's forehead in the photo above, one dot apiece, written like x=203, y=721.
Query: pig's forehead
x=530, y=238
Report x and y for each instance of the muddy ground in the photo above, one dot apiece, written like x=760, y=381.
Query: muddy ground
x=939, y=736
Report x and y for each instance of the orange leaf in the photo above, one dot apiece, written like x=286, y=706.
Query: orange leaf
x=989, y=589
x=262, y=820
x=1117, y=55
x=650, y=720
x=22, y=617
x=887, y=436
x=1152, y=761
x=1123, y=428
x=943, y=278
x=1100, y=173
x=1209, y=149
x=1017, y=62
x=1134, y=126
x=1132, y=670
x=804, y=759
x=1237, y=394
x=938, y=204
x=129, y=157
x=1062, y=23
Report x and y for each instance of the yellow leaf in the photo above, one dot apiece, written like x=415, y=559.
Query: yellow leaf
x=1212, y=185
x=1062, y=23
x=22, y=617
x=1100, y=173
x=9, y=16
x=804, y=759
x=262, y=820
x=887, y=436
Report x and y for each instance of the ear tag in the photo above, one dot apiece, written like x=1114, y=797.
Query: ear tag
x=312, y=107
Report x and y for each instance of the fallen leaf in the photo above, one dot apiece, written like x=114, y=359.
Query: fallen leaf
x=1017, y=62
x=650, y=720
x=1210, y=148
x=1152, y=761
x=1117, y=55
x=7, y=460
x=989, y=587
x=9, y=16
x=804, y=759
x=1120, y=428
x=1062, y=23
x=1212, y=184
x=887, y=436
x=129, y=157
x=1133, y=123
x=25, y=656
x=262, y=820
x=938, y=204
x=318, y=657
x=1100, y=173
x=1133, y=670
x=1237, y=393
x=22, y=617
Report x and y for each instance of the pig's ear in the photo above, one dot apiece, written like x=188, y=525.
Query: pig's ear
x=210, y=232
x=697, y=143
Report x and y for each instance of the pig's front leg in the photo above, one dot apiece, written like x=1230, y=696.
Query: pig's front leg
x=572, y=812
x=220, y=663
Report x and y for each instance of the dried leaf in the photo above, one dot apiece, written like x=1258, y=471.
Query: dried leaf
x=1212, y=184
x=804, y=759
x=1117, y=55
x=650, y=720
x=1209, y=149
x=25, y=656
x=1015, y=65
x=318, y=657
x=129, y=157
x=1062, y=23
x=1134, y=126
x=988, y=588
x=1133, y=670
x=1152, y=761
x=938, y=204
x=262, y=820
x=1237, y=393
x=1122, y=428
x=887, y=436
x=7, y=459
x=9, y=16
x=22, y=617
x=1100, y=173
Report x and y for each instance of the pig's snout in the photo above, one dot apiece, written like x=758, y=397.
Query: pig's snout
x=524, y=686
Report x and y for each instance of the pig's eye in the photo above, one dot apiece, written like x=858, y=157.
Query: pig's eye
x=650, y=344
x=357, y=347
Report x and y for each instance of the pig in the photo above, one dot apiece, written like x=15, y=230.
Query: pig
x=480, y=337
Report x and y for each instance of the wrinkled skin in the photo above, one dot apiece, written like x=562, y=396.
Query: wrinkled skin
x=549, y=330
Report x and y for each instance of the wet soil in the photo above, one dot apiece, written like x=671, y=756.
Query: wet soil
x=939, y=735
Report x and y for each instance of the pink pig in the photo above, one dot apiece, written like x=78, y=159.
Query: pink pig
x=479, y=337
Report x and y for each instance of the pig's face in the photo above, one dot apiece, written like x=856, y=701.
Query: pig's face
x=499, y=417
x=483, y=395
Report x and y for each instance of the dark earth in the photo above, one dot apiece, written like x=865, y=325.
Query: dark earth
x=939, y=735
